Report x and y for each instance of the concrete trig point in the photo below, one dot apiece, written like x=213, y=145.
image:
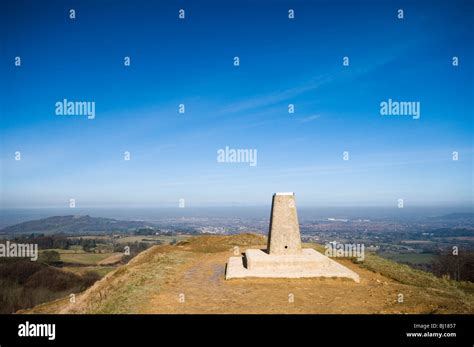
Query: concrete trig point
x=284, y=256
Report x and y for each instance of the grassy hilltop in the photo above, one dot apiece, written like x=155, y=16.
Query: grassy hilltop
x=189, y=278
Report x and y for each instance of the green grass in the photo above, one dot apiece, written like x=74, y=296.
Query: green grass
x=79, y=256
x=412, y=258
x=407, y=275
x=85, y=258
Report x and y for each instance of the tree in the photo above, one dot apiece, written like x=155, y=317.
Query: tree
x=50, y=257
x=458, y=267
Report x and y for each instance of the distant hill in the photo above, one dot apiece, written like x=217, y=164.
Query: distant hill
x=72, y=224
x=189, y=278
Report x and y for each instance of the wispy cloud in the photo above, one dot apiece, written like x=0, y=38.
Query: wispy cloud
x=279, y=96
x=310, y=118
x=335, y=76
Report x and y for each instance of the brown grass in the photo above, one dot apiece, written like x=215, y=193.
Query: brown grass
x=155, y=280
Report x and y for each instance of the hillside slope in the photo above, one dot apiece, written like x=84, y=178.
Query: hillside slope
x=189, y=278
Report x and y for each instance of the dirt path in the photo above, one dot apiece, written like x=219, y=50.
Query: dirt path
x=200, y=288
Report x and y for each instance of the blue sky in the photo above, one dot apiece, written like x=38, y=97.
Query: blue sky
x=282, y=61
